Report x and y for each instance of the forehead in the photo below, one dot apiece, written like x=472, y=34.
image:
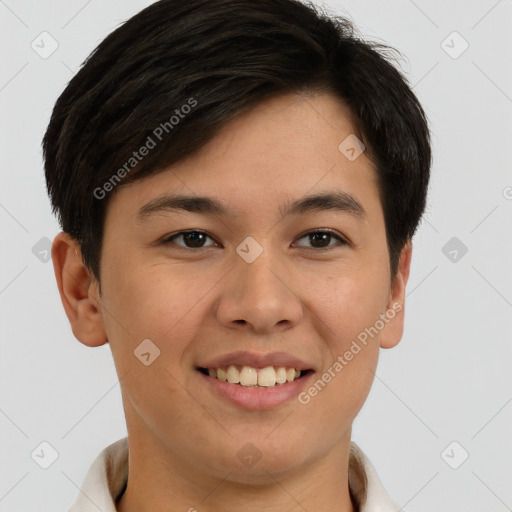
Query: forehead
x=285, y=148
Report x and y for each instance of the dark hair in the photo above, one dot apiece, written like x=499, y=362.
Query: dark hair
x=219, y=58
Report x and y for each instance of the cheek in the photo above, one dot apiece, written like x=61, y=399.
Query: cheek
x=348, y=385
x=348, y=304
x=346, y=312
x=342, y=385
x=153, y=301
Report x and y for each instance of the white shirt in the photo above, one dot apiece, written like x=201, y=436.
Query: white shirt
x=106, y=480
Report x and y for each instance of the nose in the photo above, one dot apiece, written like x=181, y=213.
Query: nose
x=260, y=296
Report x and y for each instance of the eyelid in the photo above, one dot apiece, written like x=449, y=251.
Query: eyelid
x=168, y=239
x=341, y=239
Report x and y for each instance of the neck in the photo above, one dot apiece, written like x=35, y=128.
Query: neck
x=162, y=480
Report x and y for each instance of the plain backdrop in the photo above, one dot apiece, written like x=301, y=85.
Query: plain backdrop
x=437, y=423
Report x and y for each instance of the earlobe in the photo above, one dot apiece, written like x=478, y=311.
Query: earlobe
x=395, y=310
x=78, y=292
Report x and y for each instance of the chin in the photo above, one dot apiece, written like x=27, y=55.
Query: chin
x=264, y=472
x=261, y=463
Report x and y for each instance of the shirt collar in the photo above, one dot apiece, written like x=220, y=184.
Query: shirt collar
x=107, y=477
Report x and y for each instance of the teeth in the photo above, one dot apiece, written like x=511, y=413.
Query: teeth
x=267, y=377
x=233, y=375
x=248, y=376
x=253, y=377
x=281, y=375
x=222, y=375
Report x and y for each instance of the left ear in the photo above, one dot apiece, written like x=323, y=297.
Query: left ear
x=395, y=310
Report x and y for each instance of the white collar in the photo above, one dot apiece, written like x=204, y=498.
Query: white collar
x=108, y=474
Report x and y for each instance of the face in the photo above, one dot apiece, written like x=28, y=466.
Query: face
x=260, y=274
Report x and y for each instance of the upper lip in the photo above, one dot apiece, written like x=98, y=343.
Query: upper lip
x=255, y=360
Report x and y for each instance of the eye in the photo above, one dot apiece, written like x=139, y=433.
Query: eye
x=192, y=239
x=320, y=239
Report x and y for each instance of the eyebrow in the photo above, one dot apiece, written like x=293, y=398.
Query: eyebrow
x=339, y=201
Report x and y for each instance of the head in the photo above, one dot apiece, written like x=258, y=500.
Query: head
x=251, y=104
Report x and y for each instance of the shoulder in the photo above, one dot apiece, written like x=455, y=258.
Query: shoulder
x=365, y=485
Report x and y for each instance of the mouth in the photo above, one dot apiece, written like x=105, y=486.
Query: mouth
x=257, y=378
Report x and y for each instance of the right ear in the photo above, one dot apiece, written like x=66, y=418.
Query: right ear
x=79, y=292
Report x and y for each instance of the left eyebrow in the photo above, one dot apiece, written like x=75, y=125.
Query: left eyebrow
x=340, y=201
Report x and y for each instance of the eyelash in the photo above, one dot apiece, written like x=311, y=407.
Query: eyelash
x=342, y=241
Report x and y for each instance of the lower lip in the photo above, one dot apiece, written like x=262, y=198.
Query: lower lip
x=257, y=398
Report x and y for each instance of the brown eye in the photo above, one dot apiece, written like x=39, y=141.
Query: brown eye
x=191, y=239
x=322, y=239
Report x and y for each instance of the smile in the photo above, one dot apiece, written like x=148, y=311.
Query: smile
x=251, y=377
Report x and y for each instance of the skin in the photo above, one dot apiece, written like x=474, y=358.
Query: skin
x=200, y=303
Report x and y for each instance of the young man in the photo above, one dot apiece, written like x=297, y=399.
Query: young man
x=238, y=184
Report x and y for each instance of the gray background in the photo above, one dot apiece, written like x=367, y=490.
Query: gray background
x=450, y=378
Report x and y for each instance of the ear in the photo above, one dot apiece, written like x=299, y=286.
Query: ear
x=79, y=292
x=395, y=309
